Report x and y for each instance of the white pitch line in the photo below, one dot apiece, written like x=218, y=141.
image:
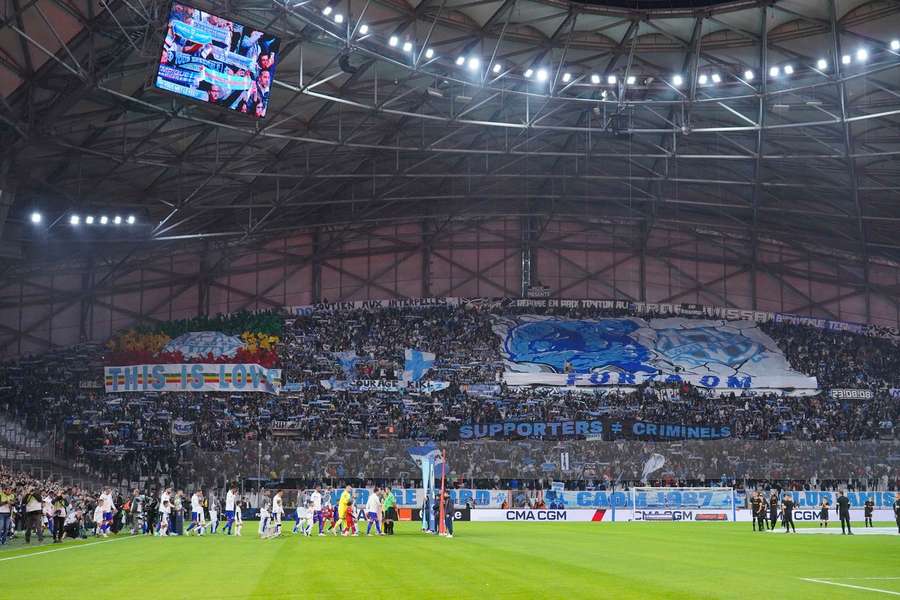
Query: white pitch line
x=855, y=587
x=67, y=548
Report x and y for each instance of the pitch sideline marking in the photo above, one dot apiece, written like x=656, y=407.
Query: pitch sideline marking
x=67, y=548
x=848, y=585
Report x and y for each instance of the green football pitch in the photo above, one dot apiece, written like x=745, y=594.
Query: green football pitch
x=484, y=560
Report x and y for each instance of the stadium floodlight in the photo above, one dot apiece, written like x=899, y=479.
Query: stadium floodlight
x=130, y=220
x=393, y=41
x=528, y=73
x=749, y=74
x=595, y=79
x=845, y=59
x=631, y=80
x=363, y=29
x=36, y=217
x=702, y=79
x=862, y=55
x=407, y=46
x=89, y=220
x=117, y=220
x=429, y=54
x=822, y=64
x=567, y=77
x=74, y=220
x=338, y=18
x=611, y=80
x=474, y=63
x=460, y=61
x=104, y=220
x=677, y=81
x=326, y=11
x=788, y=69
x=895, y=45
x=774, y=71
x=497, y=67
x=716, y=78
x=542, y=75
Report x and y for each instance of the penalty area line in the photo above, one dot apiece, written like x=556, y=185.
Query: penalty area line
x=848, y=585
x=29, y=555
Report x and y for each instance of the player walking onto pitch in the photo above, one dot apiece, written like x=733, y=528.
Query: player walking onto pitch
x=373, y=510
x=343, y=506
x=757, y=511
x=843, y=503
x=315, y=505
x=787, y=513
x=773, y=510
x=197, y=520
x=868, y=509
x=277, y=511
x=230, y=502
x=106, y=502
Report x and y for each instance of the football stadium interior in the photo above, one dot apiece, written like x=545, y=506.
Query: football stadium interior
x=534, y=297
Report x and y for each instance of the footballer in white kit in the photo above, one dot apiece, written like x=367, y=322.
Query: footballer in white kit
x=197, y=520
x=230, y=507
x=277, y=511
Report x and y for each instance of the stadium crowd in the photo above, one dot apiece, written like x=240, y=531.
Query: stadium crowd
x=131, y=435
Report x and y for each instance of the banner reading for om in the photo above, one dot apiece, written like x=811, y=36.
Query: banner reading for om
x=629, y=351
x=193, y=378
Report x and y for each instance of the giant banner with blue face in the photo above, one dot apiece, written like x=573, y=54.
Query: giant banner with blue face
x=714, y=354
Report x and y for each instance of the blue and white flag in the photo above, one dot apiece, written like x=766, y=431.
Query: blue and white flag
x=180, y=427
x=653, y=464
x=417, y=364
x=348, y=360
x=428, y=453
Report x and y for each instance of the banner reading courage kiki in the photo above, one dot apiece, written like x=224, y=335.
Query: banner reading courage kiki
x=197, y=377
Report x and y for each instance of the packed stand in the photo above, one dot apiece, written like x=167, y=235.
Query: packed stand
x=131, y=435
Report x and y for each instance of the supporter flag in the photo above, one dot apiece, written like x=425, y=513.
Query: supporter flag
x=654, y=463
x=348, y=360
x=417, y=364
x=180, y=427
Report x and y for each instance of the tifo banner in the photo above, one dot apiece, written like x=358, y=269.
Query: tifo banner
x=637, y=308
x=197, y=377
x=541, y=350
x=204, y=343
x=605, y=429
x=383, y=385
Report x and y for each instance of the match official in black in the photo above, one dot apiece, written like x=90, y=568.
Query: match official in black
x=787, y=513
x=843, y=503
x=868, y=509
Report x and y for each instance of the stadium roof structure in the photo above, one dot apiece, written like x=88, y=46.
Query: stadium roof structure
x=748, y=122
x=658, y=112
